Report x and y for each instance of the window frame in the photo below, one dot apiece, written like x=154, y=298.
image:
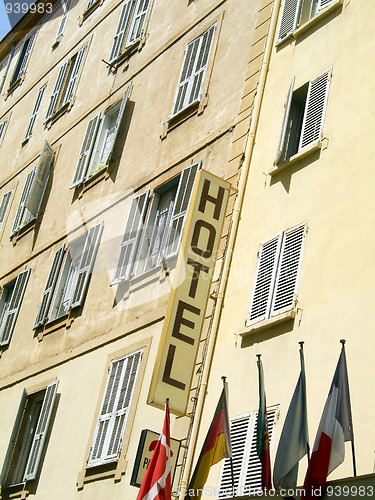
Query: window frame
x=23, y=58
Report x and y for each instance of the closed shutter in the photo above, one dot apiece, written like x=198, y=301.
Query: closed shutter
x=57, y=90
x=2, y=128
x=15, y=302
x=316, y=104
x=285, y=294
x=34, y=113
x=26, y=54
x=86, y=149
x=138, y=22
x=49, y=288
x=4, y=206
x=86, y=263
x=122, y=26
x=40, y=432
x=19, y=219
x=114, y=410
x=130, y=240
x=289, y=19
x=288, y=104
x=264, y=280
x=322, y=4
x=73, y=75
x=66, y=7
x=38, y=186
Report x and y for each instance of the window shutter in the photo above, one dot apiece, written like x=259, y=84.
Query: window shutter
x=40, y=432
x=34, y=113
x=316, y=104
x=114, y=409
x=4, y=206
x=74, y=75
x=322, y=4
x=289, y=19
x=138, y=22
x=49, y=288
x=25, y=193
x=264, y=279
x=2, y=128
x=86, y=263
x=130, y=240
x=38, y=186
x=86, y=149
x=66, y=7
x=26, y=53
x=181, y=205
x=287, y=106
x=14, y=306
x=122, y=26
x=57, y=90
x=289, y=270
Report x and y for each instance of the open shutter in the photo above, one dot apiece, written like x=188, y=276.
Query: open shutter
x=66, y=7
x=129, y=244
x=2, y=128
x=86, y=263
x=288, y=104
x=26, y=54
x=196, y=89
x=138, y=22
x=15, y=302
x=34, y=113
x=316, y=104
x=57, y=90
x=40, y=432
x=289, y=19
x=264, y=280
x=49, y=288
x=86, y=149
x=74, y=75
x=4, y=206
x=38, y=186
x=285, y=294
x=121, y=29
x=20, y=210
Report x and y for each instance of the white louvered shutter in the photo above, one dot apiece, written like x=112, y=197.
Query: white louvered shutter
x=57, y=90
x=73, y=75
x=24, y=56
x=316, y=104
x=4, y=206
x=85, y=152
x=264, y=280
x=49, y=288
x=10, y=317
x=66, y=7
x=87, y=263
x=289, y=19
x=39, y=183
x=34, y=114
x=285, y=294
x=20, y=219
x=138, y=21
x=130, y=239
x=114, y=410
x=322, y=4
x=40, y=432
x=121, y=29
x=287, y=106
x=2, y=128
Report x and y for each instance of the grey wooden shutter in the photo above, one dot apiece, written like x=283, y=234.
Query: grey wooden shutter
x=39, y=183
x=73, y=75
x=138, y=21
x=86, y=263
x=57, y=90
x=15, y=302
x=122, y=26
x=40, y=432
x=316, y=104
x=288, y=104
x=85, y=152
x=201, y=65
x=4, y=206
x=23, y=57
x=34, y=113
x=130, y=240
x=25, y=193
x=264, y=280
x=2, y=128
x=49, y=288
x=289, y=19
x=285, y=294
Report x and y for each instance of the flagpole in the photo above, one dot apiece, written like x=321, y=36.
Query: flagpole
x=303, y=368
x=223, y=378
x=343, y=341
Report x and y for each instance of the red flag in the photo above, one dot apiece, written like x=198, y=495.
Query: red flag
x=156, y=484
x=263, y=439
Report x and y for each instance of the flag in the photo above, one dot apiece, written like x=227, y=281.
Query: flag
x=334, y=430
x=263, y=439
x=156, y=484
x=216, y=446
x=294, y=440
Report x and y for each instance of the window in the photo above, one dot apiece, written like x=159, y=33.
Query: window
x=10, y=303
x=69, y=275
x=33, y=191
x=22, y=59
x=28, y=437
x=130, y=26
x=277, y=275
x=304, y=116
x=92, y=159
x=110, y=427
x=297, y=12
x=34, y=114
x=247, y=468
x=190, y=88
x=3, y=70
x=145, y=245
x=64, y=15
x=4, y=206
x=3, y=125
x=65, y=83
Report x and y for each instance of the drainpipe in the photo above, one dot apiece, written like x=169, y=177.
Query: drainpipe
x=7, y=68
x=229, y=251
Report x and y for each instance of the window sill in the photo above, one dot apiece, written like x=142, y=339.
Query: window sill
x=102, y=174
x=89, y=11
x=55, y=324
x=269, y=322
x=14, y=491
x=124, y=56
x=303, y=153
x=56, y=115
x=195, y=108
x=14, y=85
x=115, y=469
x=26, y=228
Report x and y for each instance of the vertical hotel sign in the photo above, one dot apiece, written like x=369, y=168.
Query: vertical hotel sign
x=178, y=348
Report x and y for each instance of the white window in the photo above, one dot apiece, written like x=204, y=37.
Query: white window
x=69, y=276
x=297, y=12
x=114, y=411
x=10, y=303
x=33, y=191
x=4, y=206
x=65, y=4
x=277, y=275
x=3, y=125
x=247, y=467
x=304, y=116
x=147, y=244
x=34, y=113
x=99, y=141
x=65, y=83
x=23, y=57
x=190, y=88
x=28, y=438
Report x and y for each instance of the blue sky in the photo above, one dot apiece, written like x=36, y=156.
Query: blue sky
x=4, y=21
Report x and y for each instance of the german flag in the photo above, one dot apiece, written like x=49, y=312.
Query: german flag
x=216, y=447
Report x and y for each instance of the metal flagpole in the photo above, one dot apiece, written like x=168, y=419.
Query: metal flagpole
x=304, y=388
x=225, y=387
